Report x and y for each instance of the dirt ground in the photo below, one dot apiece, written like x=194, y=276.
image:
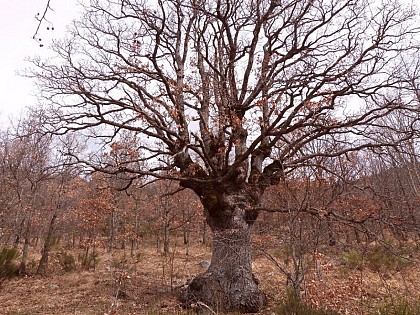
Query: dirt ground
x=147, y=283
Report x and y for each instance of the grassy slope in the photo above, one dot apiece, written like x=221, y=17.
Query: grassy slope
x=142, y=284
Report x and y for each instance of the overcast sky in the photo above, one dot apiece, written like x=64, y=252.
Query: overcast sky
x=17, y=26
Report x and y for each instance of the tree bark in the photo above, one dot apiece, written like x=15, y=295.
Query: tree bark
x=228, y=284
x=42, y=266
x=22, y=267
x=111, y=242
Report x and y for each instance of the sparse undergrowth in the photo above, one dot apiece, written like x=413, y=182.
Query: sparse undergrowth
x=293, y=305
x=377, y=259
x=145, y=282
x=67, y=261
x=401, y=307
x=8, y=265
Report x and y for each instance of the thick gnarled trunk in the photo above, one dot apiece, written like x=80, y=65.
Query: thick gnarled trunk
x=228, y=284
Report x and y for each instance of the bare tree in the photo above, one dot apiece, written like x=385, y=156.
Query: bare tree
x=230, y=93
x=394, y=177
x=26, y=169
x=59, y=192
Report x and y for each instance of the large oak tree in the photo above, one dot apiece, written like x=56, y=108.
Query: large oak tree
x=226, y=96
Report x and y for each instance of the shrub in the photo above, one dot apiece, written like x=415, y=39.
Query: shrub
x=147, y=229
x=380, y=259
x=293, y=305
x=281, y=253
x=402, y=307
x=139, y=256
x=90, y=261
x=8, y=266
x=67, y=261
x=353, y=259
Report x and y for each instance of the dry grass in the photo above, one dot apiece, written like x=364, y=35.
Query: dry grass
x=146, y=283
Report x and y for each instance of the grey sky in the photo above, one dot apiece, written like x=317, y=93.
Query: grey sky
x=17, y=26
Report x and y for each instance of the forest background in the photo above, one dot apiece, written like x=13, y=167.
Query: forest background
x=340, y=232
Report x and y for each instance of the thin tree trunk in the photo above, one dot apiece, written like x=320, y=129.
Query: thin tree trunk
x=81, y=240
x=166, y=227
x=134, y=240
x=132, y=243
x=22, y=267
x=43, y=263
x=166, y=238
x=186, y=226
x=18, y=234
x=111, y=232
x=85, y=260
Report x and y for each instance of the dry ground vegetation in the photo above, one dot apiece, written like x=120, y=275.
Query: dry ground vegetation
x=365, y=278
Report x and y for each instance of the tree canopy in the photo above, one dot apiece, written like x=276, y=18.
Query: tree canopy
x=227, y=87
